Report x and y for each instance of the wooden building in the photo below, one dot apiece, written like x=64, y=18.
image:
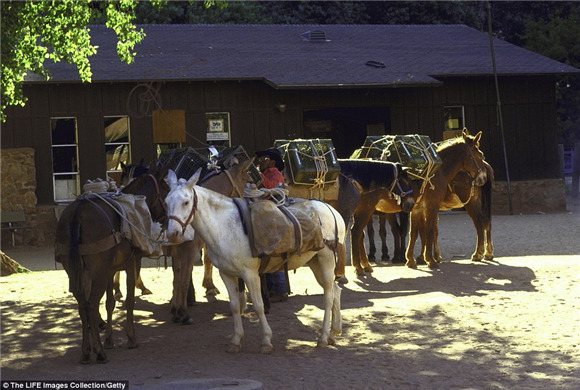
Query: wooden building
x=252, y=84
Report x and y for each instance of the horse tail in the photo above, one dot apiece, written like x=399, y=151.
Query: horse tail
x=486, y=190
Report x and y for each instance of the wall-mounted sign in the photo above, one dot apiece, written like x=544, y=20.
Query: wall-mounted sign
x=218, y=127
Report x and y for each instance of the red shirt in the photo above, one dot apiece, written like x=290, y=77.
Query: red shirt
x=272, y=177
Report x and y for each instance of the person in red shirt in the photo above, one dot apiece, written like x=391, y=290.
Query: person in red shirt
x=270, y=164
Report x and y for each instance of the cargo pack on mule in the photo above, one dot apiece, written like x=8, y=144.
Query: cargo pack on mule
x=186, y=161
x=416, y=152
x=312, y=168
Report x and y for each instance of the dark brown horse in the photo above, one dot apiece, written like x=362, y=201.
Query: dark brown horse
x=459, y=154
x=91, y=248
x=384, y=186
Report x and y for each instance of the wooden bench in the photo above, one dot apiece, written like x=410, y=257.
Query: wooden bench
x=10, y=218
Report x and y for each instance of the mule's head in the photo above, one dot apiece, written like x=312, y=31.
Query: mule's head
x=474, y=160
x=181, y=203
x=403, y=188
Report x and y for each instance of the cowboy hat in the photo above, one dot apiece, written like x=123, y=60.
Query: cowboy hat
x=273, y=154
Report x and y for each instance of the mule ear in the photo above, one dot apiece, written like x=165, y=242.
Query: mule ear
x=123, y=166
x=477, y=138
x=171, y=178
x=194, y=178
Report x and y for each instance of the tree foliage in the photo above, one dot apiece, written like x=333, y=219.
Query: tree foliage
x=36, y=31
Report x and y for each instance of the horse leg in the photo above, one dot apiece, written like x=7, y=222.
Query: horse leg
x=321, y=266
x=359, y=256
x=116, y=286
x=130, y=301
x=97, y=290
x=436, y=251
x=489, y=244
x=84, y=314
x=383, y=235
x=477, y=219
x=110, y=305
x=139, y=282
x=371, y=237
x=431, y=219
x=340, y=269
x=210, y=289
x=184, y=257
x=416, y=217
x=398, y=240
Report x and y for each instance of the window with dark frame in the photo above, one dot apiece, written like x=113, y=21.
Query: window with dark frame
x=65, y=159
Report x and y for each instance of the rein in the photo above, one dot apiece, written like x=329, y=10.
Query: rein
x=189, y=217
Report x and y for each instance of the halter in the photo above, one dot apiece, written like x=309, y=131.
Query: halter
x=158, y=197
x=397, y=184
x=189, y=217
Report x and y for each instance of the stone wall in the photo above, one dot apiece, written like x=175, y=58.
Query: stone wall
x=530, y=197
x=18, y=186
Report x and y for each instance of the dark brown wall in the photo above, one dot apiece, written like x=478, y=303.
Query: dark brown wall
x=528, y=114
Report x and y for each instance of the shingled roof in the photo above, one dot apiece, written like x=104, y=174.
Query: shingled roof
x=310, y=56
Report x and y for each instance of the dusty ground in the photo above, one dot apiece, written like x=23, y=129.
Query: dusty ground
x=511, y=323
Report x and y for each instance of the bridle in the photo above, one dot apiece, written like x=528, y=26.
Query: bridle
x=191, y=213
x=473, y=162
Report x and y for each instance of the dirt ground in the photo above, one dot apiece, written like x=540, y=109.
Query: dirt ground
x=510, y=323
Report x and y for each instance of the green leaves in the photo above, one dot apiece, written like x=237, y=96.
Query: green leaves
x=33, y=32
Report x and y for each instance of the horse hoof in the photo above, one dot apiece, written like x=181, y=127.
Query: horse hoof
x=266, y=349
x=322, y=344
x=102, y=359
x=360, y=272
x=234, y=348
x=146, y=291
x=412, y=265
x=187, y=321
x=369, y=269
x=433, y=265
x=341, y=279
x=211, y=292
x=85, y=359
x=488, y=257
x=398, y=261
x=371, y=257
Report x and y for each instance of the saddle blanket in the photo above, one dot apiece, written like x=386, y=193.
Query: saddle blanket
x=275, y=234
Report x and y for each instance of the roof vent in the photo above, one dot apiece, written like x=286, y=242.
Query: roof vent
x=314, y=36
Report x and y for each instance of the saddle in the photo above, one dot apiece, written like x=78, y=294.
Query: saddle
x=279, y=230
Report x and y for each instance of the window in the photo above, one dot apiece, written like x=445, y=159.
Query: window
x=65, y=166
x=453, y=121
x=117, y=145
x=453, y=118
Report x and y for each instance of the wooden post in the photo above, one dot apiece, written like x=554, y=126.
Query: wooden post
x=576, y=170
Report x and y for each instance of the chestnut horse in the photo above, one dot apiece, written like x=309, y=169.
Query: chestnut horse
x=91, y=248
x=460, y=154
x=461, y=192
x=384, y=186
